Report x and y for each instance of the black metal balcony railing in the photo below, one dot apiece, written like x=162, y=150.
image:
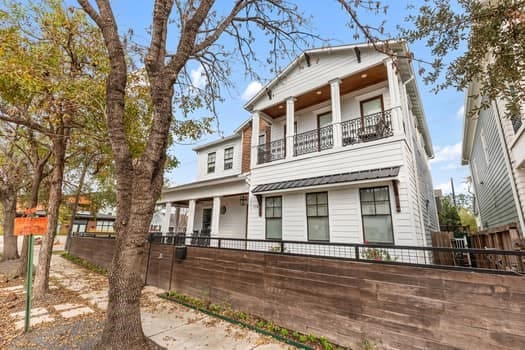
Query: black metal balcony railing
x=271, y=151
x=314, y=140
x=370, y=127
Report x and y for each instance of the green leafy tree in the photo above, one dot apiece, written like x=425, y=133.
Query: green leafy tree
x=468, y=219
x=448, y=216
x=48, y=84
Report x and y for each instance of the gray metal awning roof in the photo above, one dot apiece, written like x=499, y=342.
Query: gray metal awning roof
x=329, y=179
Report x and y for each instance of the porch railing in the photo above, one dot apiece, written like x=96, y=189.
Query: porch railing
x=314, y=140
x=483, y=260
x=271, y=151
x=370, y=127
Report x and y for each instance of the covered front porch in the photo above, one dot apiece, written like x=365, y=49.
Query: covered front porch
x=215, y=208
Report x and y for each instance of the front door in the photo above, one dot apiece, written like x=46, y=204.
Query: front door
x=206, y=220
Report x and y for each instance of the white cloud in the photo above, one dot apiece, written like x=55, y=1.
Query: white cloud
x=448, y=153
x=251, y=90
x=198, y=78
x=451, y=166
x=461, y=112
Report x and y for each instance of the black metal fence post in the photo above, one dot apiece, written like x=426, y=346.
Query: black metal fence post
x=282, y=247
x=357, y=252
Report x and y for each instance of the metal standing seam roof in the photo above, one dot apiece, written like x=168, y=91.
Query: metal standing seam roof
x=329, y=179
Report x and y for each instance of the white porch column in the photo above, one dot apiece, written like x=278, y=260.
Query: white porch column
x=191, y=217
x=177, y=219
x=290, y=120
x=215, y=216
x=335, y=96
x=255, y=138
x=395, y=99
x=165, y=225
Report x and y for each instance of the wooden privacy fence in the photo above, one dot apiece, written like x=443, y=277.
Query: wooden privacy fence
x=394, y=306
x=499, y=238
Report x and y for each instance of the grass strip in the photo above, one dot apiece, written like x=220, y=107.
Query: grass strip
x=84, y=263
x=237, y=322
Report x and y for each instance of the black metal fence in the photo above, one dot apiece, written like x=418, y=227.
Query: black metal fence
x=271, y=151
x=485, y=260
x=314, y=140
x=370, y=127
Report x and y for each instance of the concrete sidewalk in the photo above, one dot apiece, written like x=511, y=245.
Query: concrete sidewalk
x=167, y=323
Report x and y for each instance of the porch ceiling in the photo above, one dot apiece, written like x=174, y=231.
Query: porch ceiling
x=382, y=173
x=374, y=75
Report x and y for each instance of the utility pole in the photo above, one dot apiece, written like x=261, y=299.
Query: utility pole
x=453, y=192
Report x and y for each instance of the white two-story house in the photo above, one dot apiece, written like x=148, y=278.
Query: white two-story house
x=336, y=150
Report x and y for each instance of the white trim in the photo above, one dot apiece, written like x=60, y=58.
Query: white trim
x=372, y=94
x=216, y=142
x=353, y=147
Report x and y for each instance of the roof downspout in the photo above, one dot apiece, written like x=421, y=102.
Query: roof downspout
x=509, y=168
x=419, y=206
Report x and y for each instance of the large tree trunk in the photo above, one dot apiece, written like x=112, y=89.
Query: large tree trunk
x=10, y=240
x=41, y=285
x=123, y=327
x=36, y=181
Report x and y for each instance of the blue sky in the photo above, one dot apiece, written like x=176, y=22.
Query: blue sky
x=443, y=110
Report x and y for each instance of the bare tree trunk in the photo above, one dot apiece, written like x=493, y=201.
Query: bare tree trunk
x=36, y=181
x=10, y=240
x=77, y=198
x=41, y=285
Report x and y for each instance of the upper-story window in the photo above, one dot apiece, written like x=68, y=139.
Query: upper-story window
x=228, y=158
x=372, y=105
x=211, y=162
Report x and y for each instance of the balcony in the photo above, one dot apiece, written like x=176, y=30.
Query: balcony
x=313, y=141
x=271, y=151
x=368, y=128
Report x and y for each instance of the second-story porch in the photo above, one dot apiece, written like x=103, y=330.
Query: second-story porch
x=359, y=108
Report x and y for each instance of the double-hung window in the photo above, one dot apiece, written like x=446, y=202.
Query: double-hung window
x=104, y=226
x=211, y=162
x=228, y=158
x=317, y=216
x=376, y=215
x=273, y=213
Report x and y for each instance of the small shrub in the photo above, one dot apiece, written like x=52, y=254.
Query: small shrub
x=284, y=332
x=295, y=334
x=377, y=254
x=260, y=324
x=368, y=345
x=325, y=343
x=303, y=338
x=312, y=338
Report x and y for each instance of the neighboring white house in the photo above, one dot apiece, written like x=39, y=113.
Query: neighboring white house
x=353, y=168
x=494, y=148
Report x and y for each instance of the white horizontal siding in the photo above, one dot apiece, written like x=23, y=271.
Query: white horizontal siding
x=371, y=155
x=232, y=224
x=344, y=209
x=324, y=67
x=202, y=160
